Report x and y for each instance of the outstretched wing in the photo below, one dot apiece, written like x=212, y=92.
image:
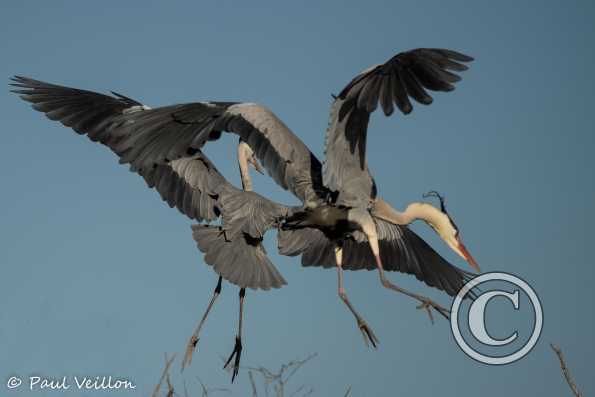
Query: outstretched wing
x=400, y=249
x=234, y=249
x=406, y=75
x=145, y=137
x=184, y=177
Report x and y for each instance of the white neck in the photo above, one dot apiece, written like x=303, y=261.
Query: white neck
x=414, y=211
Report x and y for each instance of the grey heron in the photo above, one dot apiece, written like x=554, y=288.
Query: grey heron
x=342, y=222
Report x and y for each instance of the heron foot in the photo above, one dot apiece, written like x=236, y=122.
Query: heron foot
x=368, y=334
x=190, y=347
x=237, y=352
x=428, y=305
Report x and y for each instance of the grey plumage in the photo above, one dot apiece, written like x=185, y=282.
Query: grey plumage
x=187, y=184
x=401, y=250
x=242, y=261
x=234, y=249
x=149, y=137
x=164, y=146
x=405, y=75
x=341, y=223
x=345, y=169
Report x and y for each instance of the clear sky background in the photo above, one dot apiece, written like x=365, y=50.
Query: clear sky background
x=100, y=277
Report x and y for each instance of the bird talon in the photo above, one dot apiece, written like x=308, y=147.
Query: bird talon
x=237, y=352
x=428, y=305
x=190, y=347
x=368, y=334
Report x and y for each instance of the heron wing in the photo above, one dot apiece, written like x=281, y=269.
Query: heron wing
x=234, y=249
x=404, y=76
x=197, y=189
x=144, y=137
x=242, y=261
x=401, y=250
x=184, y=177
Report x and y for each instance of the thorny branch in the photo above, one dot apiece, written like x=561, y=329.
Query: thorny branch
x=566, y=371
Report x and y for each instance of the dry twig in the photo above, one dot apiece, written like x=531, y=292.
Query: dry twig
x=206, y=390
x=253, y=384
x=279, y=379
x=566, y=371
x=164, y=376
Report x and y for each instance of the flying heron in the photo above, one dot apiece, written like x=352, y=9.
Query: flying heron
x=341, y=223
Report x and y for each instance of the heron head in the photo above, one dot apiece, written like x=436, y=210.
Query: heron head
x=448, y=231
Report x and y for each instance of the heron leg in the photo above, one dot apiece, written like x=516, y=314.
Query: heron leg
x=237, y=350
x=191, y=346
x=367, y=332
x=426, y=303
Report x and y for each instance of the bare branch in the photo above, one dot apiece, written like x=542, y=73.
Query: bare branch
x=164, y=374
x=297, y=365
x=206, y=390
x=566, y=371
x=170, y=387
x=280, y=379
x=308, y=393
x=251, y=376
x=299, y=389
x=186, y=390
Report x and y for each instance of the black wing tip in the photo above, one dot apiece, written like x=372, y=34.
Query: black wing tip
x=417, y=70
x=126, y=99
x=19, y=78
x=27, y=84
x=452, y=54
x=406, y=109
x=18, y=81
x=427, y=100
x=24, y=80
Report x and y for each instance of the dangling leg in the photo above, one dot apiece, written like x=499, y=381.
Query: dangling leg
x=362, y=325
x=369, y=229
x=194, y=338
x=237, y=350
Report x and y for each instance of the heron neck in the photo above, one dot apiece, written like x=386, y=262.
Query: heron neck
x=414, y=211
x=244, y=167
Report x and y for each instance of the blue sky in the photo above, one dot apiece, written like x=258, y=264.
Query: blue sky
x=101, y=277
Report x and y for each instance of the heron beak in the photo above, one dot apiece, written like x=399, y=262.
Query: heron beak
x=465, y=254
x=256, y=165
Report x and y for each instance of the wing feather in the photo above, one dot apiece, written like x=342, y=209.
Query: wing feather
x=401, y=250
x=145, y=138
x=406, y=75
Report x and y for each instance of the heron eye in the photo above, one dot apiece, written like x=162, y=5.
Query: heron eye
x=454, y=225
